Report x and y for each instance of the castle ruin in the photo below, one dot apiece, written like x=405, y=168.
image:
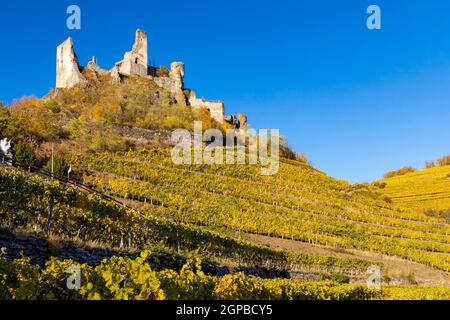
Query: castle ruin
x=134, y=63
x=67, y=69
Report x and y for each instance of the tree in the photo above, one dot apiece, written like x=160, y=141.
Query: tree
x=162, y=72
x=24, y=154
x=5, y=118
x=29, y=121
x=60, y=166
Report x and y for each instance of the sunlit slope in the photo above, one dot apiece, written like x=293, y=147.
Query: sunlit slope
x=421, y=190
x=298, y=203
x=91, y=218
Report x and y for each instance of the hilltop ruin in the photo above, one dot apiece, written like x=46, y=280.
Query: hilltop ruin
x=134, y=63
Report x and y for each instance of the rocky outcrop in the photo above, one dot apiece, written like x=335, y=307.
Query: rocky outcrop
x=242, y=121
x=146, y=137
x=68, y=72
x=231, y=119
x=237, y=122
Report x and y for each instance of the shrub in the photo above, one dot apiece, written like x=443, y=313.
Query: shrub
x=430, y=164
x=26, y=101
x=430, y=213
x=33, y=123
x=411, y=278
x=443, y=161
x=162, y=72
x=399, y=172
x=445, y=214
x=53, y=106
x=386, y=279
x=340, y=278
x=95, y=136
x=167, y=117
x=379, y=184
x=187, y=93
x=287, y=152
x=175, y=122
x=5, y=118
x=301, y=157
x=204, y=115
x=60, y=166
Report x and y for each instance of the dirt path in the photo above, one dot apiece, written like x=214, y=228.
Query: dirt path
x=394, y=267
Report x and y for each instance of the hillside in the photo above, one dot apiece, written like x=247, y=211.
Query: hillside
x=421, y=190
x=94, y=220
x=299, y=203
x=304, y=230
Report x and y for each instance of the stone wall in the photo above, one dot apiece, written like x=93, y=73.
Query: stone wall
x=216, y=108
x=174, y=83
x=39, y=250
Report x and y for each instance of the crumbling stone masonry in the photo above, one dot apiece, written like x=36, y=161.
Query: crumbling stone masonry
x=134, y=63
x=216, y=108
x=174, y=82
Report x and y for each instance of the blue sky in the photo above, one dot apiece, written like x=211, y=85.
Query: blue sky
x=357, y=102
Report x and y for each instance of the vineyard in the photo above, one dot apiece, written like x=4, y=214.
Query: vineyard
x=421, y=190
x=124, y=278
x=299, y=203
x=26, y=204
x=138, y=200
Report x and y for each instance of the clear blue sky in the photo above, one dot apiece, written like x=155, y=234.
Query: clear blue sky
x=357, y=102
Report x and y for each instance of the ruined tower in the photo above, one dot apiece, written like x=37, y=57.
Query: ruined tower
x=67, y=69
x=174, y=82
x=135, y=62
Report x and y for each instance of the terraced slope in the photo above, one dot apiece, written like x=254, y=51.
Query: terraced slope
x=299, y=203
x=25, y=202
x=395, y=268
x=421, y=190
